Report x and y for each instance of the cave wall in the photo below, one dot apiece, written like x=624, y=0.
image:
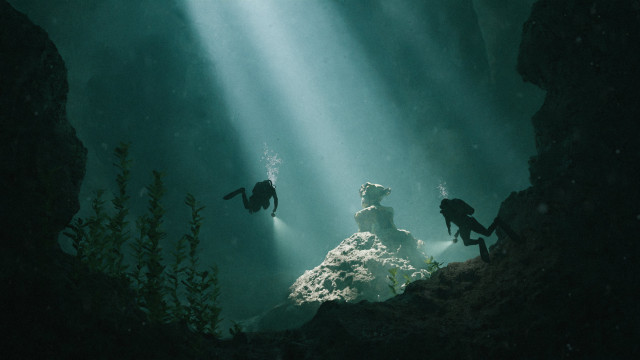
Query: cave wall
x=586, y=170
x=581, y=217
x=42, y=162
x=585, y=54
x=52, y=306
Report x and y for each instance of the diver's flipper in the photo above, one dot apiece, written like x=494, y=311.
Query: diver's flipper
x=234, y=193
x=507, y=229
x=484, y=253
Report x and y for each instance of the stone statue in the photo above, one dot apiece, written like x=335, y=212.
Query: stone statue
x=374, y=217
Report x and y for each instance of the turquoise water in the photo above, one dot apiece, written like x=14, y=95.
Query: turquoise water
x=318, y=96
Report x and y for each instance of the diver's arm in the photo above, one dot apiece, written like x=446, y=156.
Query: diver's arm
x=275, y=204
x=448, y=225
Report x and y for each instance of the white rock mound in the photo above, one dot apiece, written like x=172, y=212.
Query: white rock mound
x=358, y=268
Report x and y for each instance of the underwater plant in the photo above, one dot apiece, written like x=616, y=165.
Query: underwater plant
x=98, y=240
x=202, y=313
x=153, y=287
x=236, y=331
x=181, y=292
x=431, y=266
x=118, y=224
x=393, y=278
x=177, y=310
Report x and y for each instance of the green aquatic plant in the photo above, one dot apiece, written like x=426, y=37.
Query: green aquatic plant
x=181, y=292
x=236, y=330
x=137, y=247
x=153, y=287
x=432, y=265
x=98, y=240
x=77, y=235
x=177, y=310
x=395, y=285
x=118, y=224
x=95, y=241
x=202, y=287
x=393, y=278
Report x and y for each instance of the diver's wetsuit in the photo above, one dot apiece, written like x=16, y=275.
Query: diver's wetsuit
x=260, y=195
x=458, y=212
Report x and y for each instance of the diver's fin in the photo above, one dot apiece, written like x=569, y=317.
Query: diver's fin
x=234, y=193
x=484, y=253
x=507, y=229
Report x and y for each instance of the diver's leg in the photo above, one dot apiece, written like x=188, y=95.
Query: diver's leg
x=478, y=228
x=465, y=234
x=493, y=226
x=507, y=229
x=245, y=201
x=234, y=193
x=484, y=253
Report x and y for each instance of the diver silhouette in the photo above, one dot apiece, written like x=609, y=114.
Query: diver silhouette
x=459, y=212
x=260, y=195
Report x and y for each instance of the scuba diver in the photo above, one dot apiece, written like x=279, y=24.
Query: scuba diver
x=261, y=193
x=459, y=212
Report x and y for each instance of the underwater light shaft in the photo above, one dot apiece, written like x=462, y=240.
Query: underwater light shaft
x=294, y=78
x=291, y=251
x=436, y=248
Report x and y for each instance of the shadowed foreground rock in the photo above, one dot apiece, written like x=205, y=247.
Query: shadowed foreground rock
x=41, y=159
x=52, y=307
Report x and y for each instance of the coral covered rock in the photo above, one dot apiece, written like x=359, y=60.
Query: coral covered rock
x=372, y=264
x=357, y=270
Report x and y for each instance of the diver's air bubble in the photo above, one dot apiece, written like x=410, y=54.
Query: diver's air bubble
x=442, y=188
x=271, y=163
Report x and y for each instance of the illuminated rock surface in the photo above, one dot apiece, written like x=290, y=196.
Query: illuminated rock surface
x=357, y=269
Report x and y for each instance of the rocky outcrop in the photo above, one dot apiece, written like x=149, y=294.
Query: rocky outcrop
x=372, y=264
x=357, y=270
x=585, y=56
x=42, y=162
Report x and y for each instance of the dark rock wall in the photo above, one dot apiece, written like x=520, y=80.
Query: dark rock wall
x=42, y=162
x=581, y=218
x=587, y=170
x=52, y=306
x=586, y=55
